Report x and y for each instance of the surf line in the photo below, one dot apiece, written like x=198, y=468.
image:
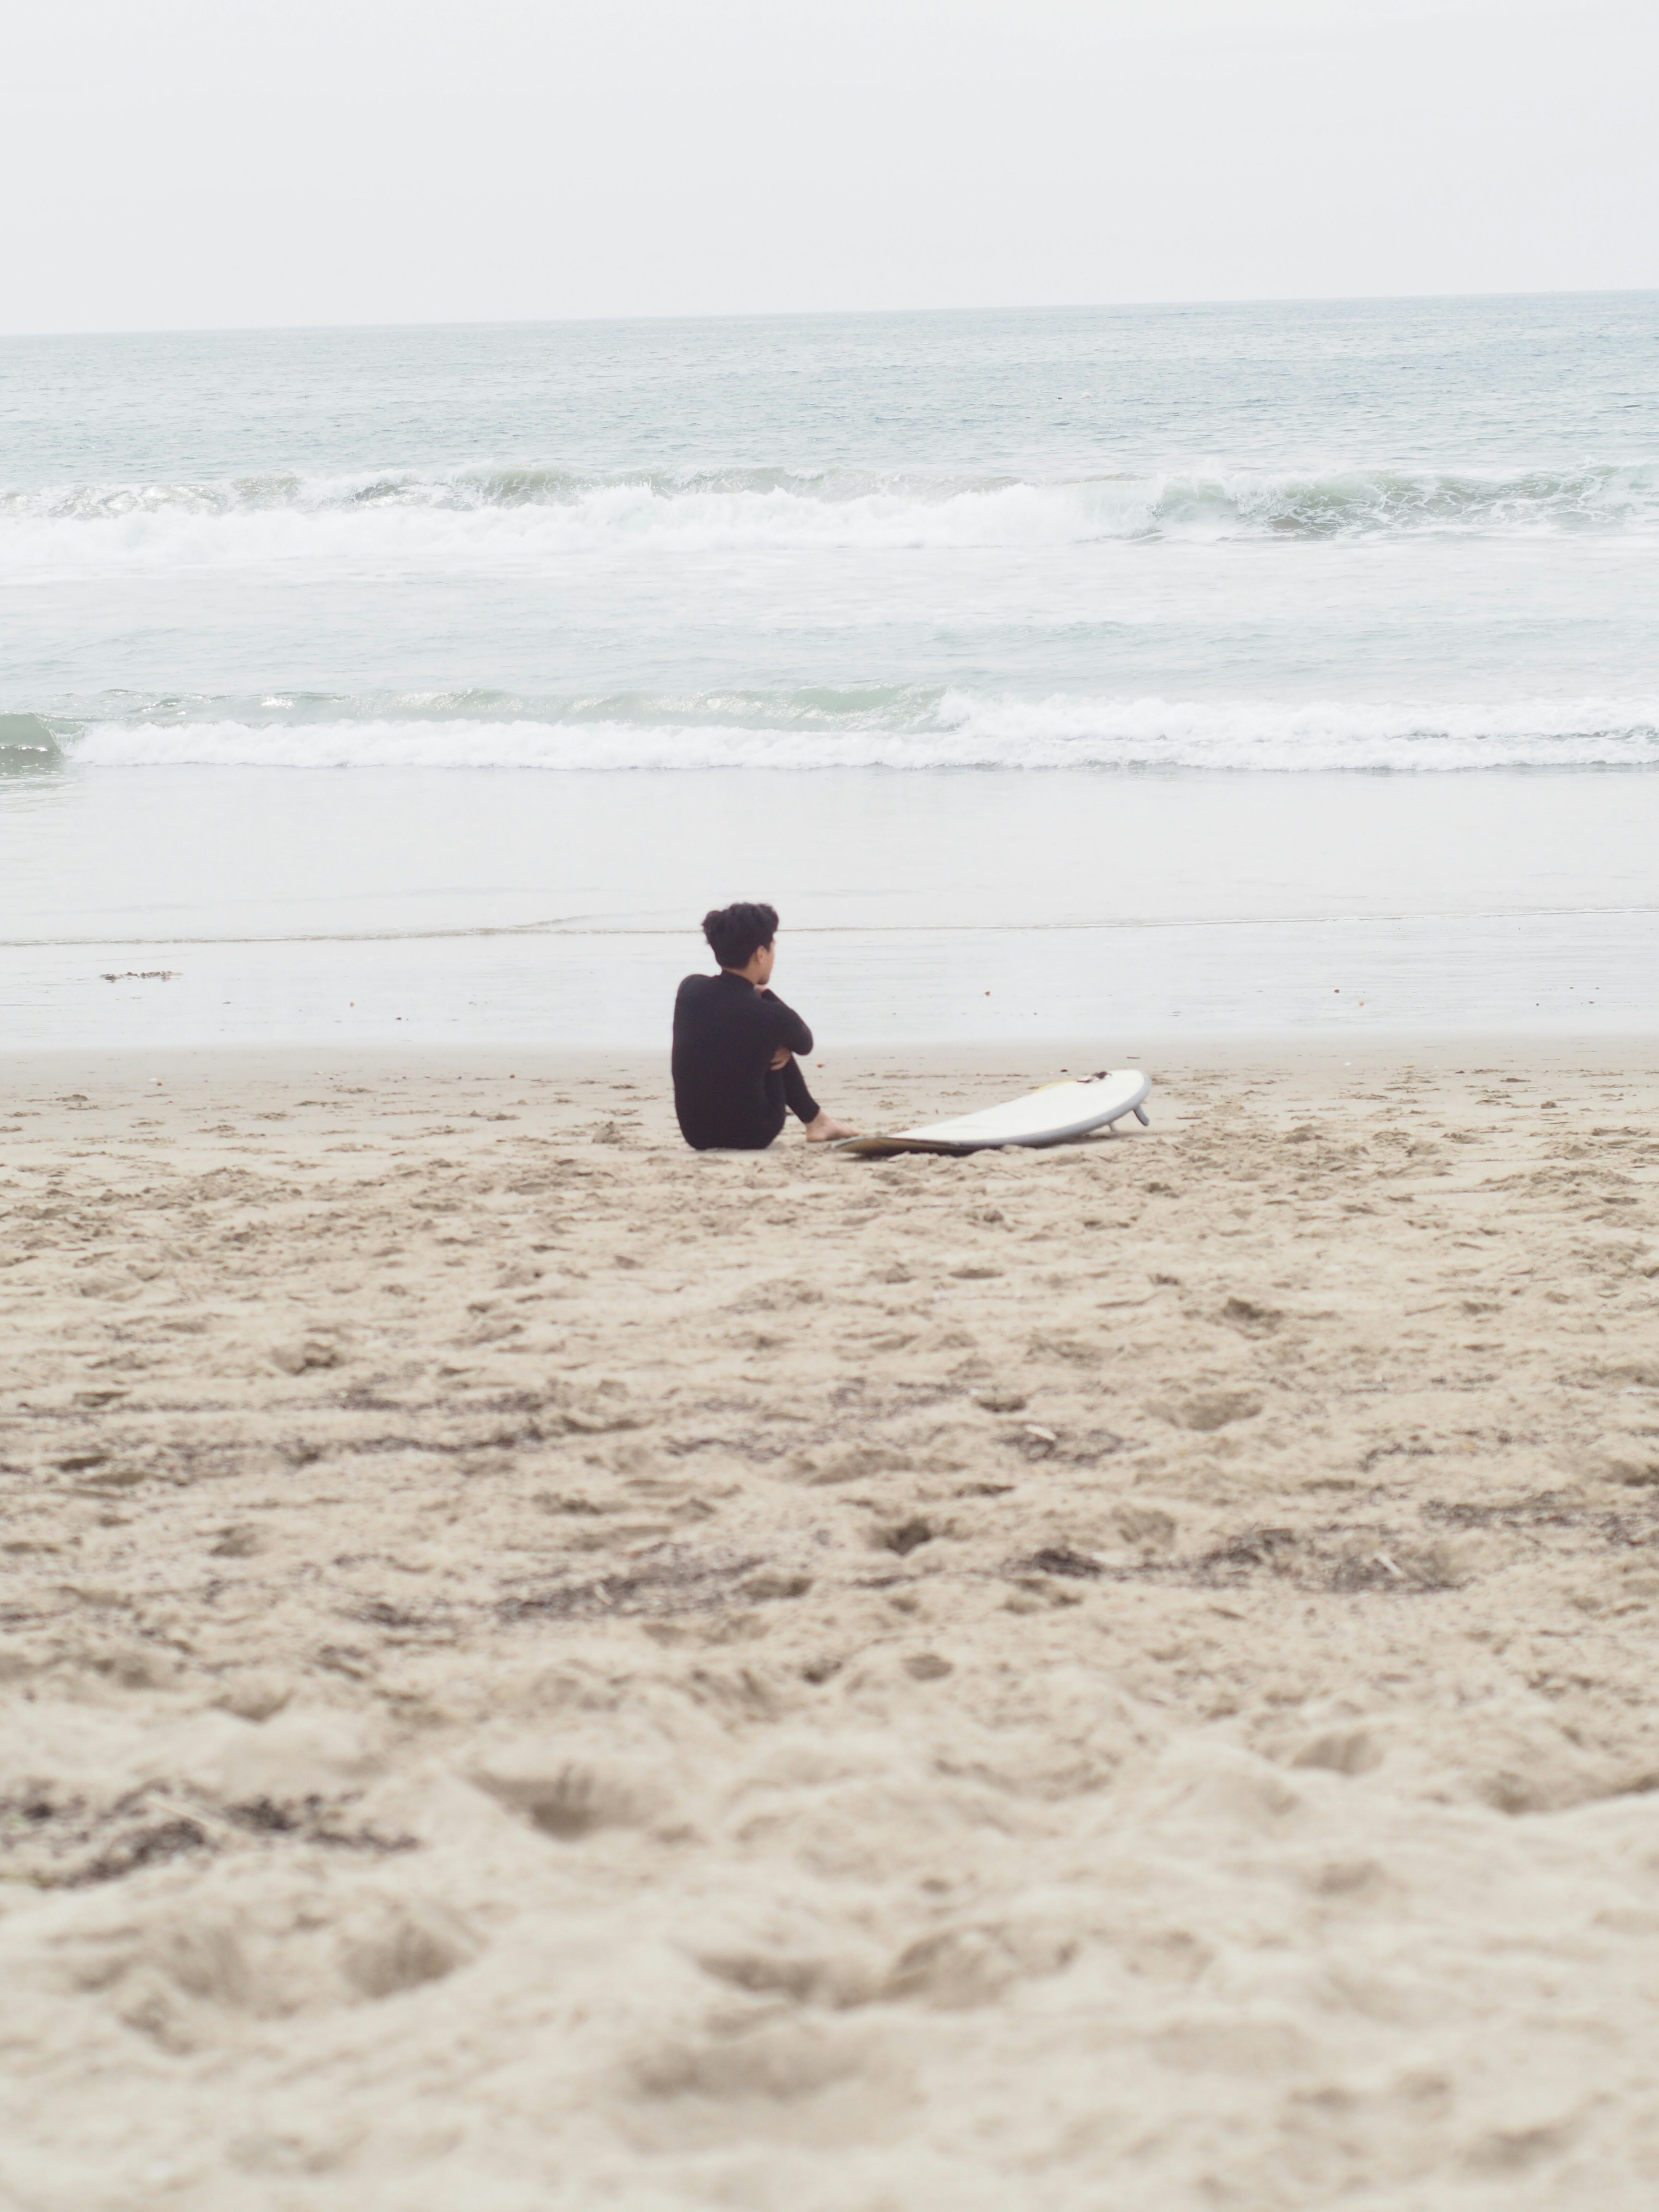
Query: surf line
x=850, y=929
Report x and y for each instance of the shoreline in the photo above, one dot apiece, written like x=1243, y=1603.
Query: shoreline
x=1270, y=1059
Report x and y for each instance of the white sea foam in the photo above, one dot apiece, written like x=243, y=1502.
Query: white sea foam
x=958, y=731
x=543, y=511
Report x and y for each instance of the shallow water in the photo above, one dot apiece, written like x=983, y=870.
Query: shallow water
x=470, y=905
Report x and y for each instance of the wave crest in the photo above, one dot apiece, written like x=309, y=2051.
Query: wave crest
x=784, y=507
x=946, y=730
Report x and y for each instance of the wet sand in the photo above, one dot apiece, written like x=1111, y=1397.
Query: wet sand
x=540, y=1670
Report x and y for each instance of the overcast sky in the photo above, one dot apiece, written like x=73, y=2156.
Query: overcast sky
x=203, y=163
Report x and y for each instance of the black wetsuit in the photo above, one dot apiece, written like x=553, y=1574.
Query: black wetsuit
x=726, y=1091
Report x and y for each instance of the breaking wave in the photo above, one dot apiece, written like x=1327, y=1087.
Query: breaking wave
x=949, y=729
x=552, y=509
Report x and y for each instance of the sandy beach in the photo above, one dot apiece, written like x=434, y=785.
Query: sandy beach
x=540, y=1669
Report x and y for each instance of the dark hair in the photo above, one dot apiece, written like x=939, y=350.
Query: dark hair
x=736, y=933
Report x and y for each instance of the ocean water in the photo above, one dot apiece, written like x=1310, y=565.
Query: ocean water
x=1084, y=674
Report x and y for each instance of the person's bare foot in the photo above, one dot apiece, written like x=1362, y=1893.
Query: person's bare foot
x=824, y=1131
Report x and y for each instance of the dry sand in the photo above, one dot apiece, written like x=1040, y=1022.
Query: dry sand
x=541, y=1671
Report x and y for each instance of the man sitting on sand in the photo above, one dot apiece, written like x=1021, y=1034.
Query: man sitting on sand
x=735, y=1069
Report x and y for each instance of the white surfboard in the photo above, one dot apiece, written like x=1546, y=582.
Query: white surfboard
x=1047, y=1116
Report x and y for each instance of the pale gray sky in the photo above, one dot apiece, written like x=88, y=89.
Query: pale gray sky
x=190, y=163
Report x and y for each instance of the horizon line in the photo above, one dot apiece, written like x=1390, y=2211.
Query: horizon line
x=829, y=315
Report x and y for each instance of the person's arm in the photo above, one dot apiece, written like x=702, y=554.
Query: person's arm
x=789, y=1032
